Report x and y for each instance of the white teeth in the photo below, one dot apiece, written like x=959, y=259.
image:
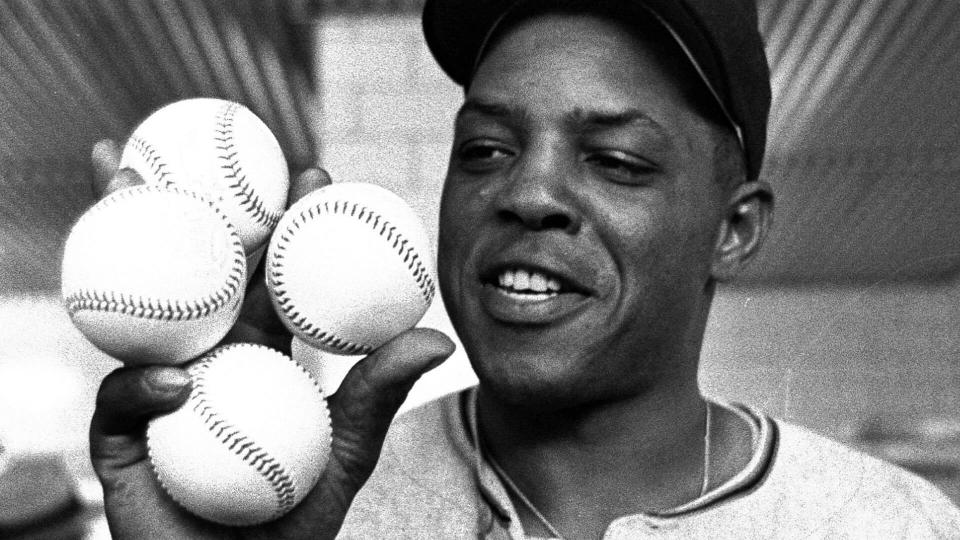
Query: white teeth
x=520, y=280
x=538, y=283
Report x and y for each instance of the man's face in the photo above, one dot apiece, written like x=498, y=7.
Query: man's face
x=578, y=216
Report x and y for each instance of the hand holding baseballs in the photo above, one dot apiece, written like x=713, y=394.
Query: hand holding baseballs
x=360, y=412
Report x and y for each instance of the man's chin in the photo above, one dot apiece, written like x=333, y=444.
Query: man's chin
x=533, y=391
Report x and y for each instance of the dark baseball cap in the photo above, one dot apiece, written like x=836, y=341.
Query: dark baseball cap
x=721, y=39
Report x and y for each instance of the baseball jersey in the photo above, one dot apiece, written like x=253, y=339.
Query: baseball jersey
x=433, y=482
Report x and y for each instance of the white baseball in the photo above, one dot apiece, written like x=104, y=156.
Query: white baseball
x=220, y=149
x=349, y=267
x=153, y=275
x=249, y=443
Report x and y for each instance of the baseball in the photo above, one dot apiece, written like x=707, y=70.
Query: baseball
x=349, y=267
x=153, y=275
x=223, y=151
x=249, y=443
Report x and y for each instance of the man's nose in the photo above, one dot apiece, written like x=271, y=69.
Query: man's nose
x=539, y=193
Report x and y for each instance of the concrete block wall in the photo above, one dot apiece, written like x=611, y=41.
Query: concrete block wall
x=386, y=108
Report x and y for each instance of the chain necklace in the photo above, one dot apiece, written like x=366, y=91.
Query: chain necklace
x=704, y=484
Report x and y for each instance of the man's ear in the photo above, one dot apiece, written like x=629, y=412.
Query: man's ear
x=748, y=218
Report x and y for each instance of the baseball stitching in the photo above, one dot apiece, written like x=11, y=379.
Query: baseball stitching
x=153, y=308
x=281, y=483
x=380, y=226
x=249, y=451
x=230, y=165
x=153, y=159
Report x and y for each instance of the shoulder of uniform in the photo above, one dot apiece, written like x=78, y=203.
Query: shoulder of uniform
x=843, y=488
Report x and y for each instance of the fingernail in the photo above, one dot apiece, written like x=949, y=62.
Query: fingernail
x=128, y=177
x=168, y=381
x=102, y=147
x=437, y=361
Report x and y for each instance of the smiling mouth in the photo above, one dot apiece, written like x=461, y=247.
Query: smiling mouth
x=529, y=284
x=527, y=295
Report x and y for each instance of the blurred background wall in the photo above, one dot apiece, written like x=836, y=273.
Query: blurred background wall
x=849, y=323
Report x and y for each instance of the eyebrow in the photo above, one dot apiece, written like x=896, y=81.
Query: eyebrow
x=496, y=110
x=579, y=119
x=588, y=119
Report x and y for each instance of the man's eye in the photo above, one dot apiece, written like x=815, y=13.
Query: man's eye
x=621, y=168
x=478, y=156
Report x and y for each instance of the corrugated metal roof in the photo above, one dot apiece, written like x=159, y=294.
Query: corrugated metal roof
x=76, y=72
x=863, y=151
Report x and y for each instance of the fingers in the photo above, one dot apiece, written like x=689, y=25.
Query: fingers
x=307, y=181
x=372, y=392
x=398, y=364
x=107, y=176
x=134, y=502
x=361, y=412
x=128, y=397
x=105, y=158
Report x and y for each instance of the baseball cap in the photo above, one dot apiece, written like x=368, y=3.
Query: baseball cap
x=720, y=38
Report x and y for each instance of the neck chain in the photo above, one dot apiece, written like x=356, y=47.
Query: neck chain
x=704, y=484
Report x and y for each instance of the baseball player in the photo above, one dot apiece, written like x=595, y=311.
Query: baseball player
x=603, y=179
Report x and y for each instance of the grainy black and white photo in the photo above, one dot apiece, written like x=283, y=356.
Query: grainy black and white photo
x=498, y=269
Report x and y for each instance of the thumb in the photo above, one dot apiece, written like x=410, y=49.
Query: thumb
x=105, y=158
x=368, y=398
x=361, y=412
